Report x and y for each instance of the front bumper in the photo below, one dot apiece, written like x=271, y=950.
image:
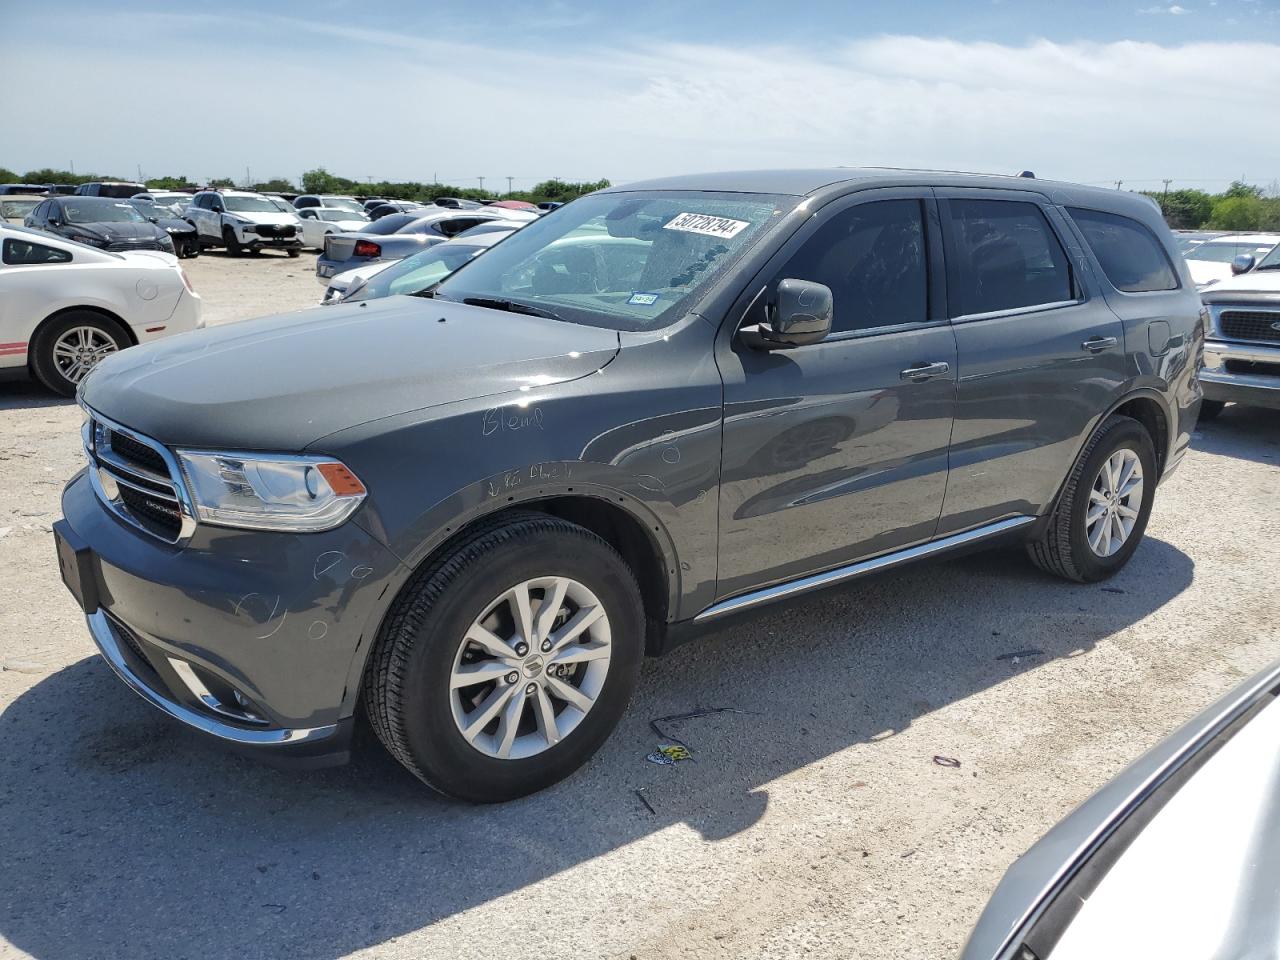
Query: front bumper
x=248, y=235
x=254, y=638
x=1244, y=373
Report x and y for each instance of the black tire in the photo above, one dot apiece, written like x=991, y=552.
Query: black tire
x=293, y=252
x=406, y=684
x=193, y=248
x=42, y=362
x=1063, y=548
x=1209, y=409
x=231, y=243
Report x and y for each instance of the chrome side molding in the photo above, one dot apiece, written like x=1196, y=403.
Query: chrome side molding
x=861, y=568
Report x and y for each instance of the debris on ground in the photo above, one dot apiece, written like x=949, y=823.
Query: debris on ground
x=24, y=666
x=1017, y=655
x=1112, y=590
x=647, y=805
x=946, y=761
x=691, y=715
x=669, y=753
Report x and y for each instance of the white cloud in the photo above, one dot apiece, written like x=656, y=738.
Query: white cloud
x=398, y=106
x=1174, y=10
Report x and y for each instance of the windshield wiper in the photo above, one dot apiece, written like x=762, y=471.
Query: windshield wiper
x=512, y=306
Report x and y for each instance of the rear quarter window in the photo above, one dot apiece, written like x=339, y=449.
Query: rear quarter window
x=25, y=253
x=1130, y=255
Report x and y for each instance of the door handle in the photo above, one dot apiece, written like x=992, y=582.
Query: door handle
x=925, y=371
x=1098, y=344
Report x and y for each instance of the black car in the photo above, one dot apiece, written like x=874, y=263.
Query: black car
x=182, y=232
x=112, y=225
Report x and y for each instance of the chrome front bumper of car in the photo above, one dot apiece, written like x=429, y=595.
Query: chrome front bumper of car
x=1246, y=373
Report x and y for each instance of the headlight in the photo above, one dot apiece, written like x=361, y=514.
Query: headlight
x=264, y=492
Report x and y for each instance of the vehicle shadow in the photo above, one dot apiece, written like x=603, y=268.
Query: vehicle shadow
x=1246, y=433
x=25, y=394
x=122, y=835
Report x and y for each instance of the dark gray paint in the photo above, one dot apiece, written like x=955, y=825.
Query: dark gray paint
x=742, y=468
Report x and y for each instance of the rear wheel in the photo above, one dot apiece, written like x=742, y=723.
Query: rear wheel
x=504, y=666
x=1209, y=409
x=231, y=243
x=66, y=350
x=1102, y=514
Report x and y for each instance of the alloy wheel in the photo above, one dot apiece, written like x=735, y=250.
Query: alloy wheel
x=1115, y=503
x=530, y=668
x=79, y=350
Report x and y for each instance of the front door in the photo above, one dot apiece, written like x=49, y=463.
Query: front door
x=1041, y=354
x=838, y=451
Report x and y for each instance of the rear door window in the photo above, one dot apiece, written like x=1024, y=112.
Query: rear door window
x=1003, y=255
x=1128, y=251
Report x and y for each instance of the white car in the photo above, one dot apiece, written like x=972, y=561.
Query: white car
x=1211, y=260
x=240, y=221
x=64, y=305
x=319, y=222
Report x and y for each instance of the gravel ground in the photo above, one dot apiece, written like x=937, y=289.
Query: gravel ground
x=813, y=822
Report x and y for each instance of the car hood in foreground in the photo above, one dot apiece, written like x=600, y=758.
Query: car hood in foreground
x=283, y=382
x=1255, y=281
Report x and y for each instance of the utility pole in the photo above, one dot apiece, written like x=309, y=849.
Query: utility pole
x=1164, y=201
x=248, y=180
x=509, y=179
x=140, y=180
x=1118, y=182
x=481, y=179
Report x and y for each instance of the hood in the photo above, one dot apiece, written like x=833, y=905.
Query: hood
x=1255, y=281
x=174, y=225
x=252, y=216
x=281, y=383
x=112, y=231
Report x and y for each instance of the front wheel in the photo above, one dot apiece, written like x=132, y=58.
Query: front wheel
x=293, y=252
x=231, y=243
x=504, y=666
x=1103, y=511
x=66, y=350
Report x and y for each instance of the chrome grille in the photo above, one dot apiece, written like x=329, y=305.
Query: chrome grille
x=1262, y=326
x=137, y=479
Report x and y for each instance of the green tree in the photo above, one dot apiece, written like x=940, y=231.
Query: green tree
x=278, y=185
x=7, y=175
x=226, y=183
x=1239, y=189
x=321, y=180
x=1238, y=213
x=49, y=175
x=1185, y=209
x=168, y=183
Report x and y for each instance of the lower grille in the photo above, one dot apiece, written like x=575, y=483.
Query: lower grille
x=276, y=230
x=1262, y=326
x=125, y=247
x=1252, y=368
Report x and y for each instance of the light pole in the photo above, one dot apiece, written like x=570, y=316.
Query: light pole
x=481, y=179
x=509, y=179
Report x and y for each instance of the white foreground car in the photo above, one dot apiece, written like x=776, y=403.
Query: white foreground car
x=319, y=222
x=64, y=306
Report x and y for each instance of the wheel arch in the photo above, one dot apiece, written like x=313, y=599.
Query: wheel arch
x=620, y=520
x=53, y=318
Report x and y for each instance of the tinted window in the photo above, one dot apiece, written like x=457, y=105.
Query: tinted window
x=1130, y=254
x=872, y=257
x=26, y=252
x=389, y=224
x=1002, y=255
x=1224, y=251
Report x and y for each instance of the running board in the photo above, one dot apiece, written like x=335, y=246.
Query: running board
x=840, y=574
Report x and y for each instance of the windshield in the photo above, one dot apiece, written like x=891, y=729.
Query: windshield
x=335, y=215
x=283, y=205
x=343, y=203
x=17, y=208
x=100, y=211
x=626, y=261
x=1271, y=261
x=1224, y=251
x=249, y=205
x=149, y=209
x=416, y=273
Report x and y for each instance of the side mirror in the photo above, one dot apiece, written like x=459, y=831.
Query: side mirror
x=1242, y=264
x=217, y=208
x=154, y=219
x=801, y=316
x=55, y=222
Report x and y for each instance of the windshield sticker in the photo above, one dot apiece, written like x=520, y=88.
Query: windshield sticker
x=706, y=225
x=644, y=299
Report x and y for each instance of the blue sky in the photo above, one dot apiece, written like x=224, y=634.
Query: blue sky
x=1087, y=91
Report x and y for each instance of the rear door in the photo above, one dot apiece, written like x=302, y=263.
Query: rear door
x=838, y=451
x=1041, y=355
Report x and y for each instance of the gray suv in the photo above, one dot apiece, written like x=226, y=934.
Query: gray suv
x=468, y=514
